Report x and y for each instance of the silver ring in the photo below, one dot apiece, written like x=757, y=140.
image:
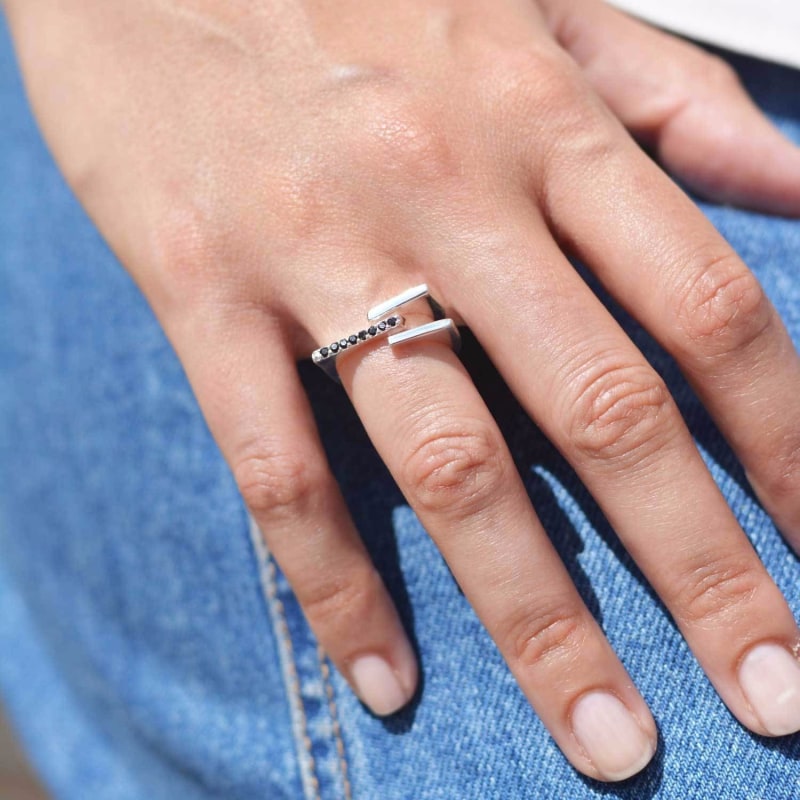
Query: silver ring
x=384, y=321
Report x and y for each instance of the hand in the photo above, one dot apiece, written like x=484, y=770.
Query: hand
x=268, y=171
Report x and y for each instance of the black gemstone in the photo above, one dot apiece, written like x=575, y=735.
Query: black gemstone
x=382, y=326
x=391, y=322
x=362, y=335
x=372, y=330
x=323, y=351
x=334, y=347
x=343, y=343
x=352, y=338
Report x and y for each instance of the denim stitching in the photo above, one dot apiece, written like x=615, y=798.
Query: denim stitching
x=337, y=731
x=310, y=781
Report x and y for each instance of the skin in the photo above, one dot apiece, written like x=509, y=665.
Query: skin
x=269, y=170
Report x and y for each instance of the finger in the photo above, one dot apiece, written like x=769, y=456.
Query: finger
x=686, y=103
x=245, y=379
x=606, y=409
x=449, y=459
x=664, y=261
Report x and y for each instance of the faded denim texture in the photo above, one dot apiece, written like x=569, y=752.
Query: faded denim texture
x=150, y=649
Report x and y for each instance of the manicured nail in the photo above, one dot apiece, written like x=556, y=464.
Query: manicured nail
x=377, y=685
x=611, y=736
x=770, y=679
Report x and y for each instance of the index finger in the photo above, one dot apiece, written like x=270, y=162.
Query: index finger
x=663, y=260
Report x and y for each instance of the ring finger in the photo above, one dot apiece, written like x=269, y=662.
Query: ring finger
x=447, y=455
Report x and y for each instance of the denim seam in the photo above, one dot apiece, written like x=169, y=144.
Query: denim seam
x=337, y=731
x=267, y=570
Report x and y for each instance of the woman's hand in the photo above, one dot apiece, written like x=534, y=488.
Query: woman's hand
x=267, y=171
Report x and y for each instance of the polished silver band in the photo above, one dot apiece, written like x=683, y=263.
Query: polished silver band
x=384, y=321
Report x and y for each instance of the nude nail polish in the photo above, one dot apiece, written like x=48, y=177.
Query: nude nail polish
x=770, y=679
x=377, y=685
x=611, y=736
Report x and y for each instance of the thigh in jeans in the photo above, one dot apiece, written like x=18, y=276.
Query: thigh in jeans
x=149, y=646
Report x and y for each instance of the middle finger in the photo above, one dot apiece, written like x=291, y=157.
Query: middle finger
x=600, y=402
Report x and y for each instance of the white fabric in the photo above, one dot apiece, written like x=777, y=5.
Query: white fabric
x=766, y=28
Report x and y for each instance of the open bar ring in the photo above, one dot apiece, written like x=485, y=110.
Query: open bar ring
x=385, y=323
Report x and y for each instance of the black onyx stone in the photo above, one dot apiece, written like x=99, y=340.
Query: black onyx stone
x=391, y=322
x=334, y=347
x=343, y=343
x=372, y=330
x=323, y=351
x=352, y=338
x=362, y=335
x=382, y=326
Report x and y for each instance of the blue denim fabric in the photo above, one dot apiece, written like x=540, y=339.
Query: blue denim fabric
x=150, y=648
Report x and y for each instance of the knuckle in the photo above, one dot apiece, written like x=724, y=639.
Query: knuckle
x=548, y=636
x=723, y=307
x=779, y=477
x=716, y=72
x=400, y=137
x=301, y=192
x=540, y=91
x=183, y=254
x=276, y=484
x=620, y=413
x=384, y=139
x=344, y=603
x=715, y=592
x=459, y=470
x=526, y=77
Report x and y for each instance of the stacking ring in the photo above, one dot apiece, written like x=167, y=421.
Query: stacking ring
x=384, y=321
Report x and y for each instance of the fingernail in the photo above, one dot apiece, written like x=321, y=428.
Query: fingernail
x=770, y=679
x=377, y=685
x=611, y=736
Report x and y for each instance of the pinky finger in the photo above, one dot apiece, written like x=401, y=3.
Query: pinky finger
x=260, y=416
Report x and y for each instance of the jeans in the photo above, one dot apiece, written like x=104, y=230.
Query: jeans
x=150, y=648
